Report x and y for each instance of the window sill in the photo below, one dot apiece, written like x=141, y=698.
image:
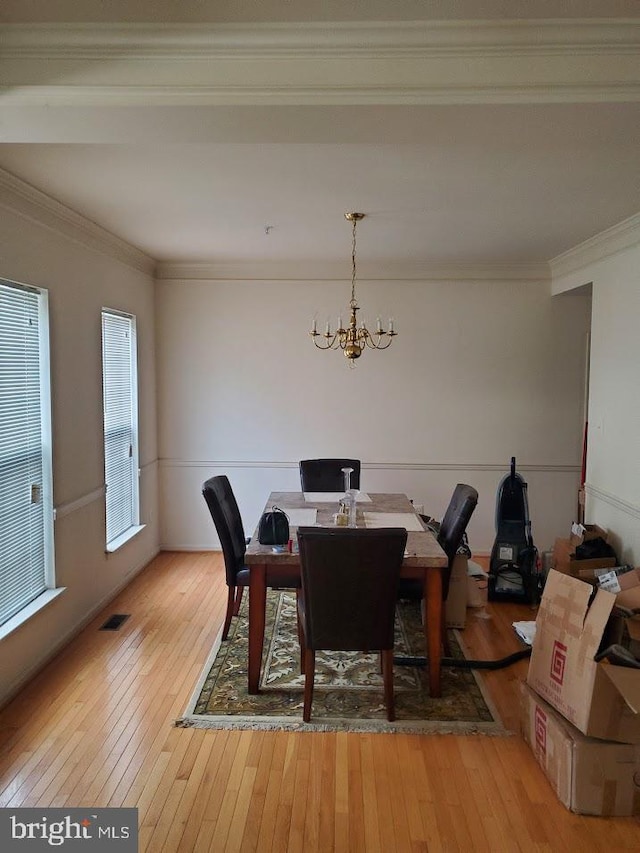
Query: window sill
x=30, y=610
x=119, y=541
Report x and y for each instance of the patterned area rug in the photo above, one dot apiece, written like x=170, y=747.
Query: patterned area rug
x=348, y=685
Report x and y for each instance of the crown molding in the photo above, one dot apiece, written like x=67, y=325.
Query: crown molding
x=321, y=39
x=32, y=204
x=415, y=62
x=37, y=206
x=408, y=93
x=622, y=236
x=317, y=270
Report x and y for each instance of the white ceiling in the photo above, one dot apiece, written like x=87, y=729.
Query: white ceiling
x=455, y=182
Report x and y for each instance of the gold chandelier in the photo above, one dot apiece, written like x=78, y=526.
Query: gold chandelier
x=353, y=340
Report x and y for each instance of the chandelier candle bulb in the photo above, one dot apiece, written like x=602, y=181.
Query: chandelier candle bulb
x=390, y=325
x=379, y=326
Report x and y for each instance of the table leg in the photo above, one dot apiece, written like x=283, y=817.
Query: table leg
x=257, y=609
x=433, y=628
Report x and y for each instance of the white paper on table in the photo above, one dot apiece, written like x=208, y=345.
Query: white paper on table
x=333, y=497
x=408, y=520
x=300, y=517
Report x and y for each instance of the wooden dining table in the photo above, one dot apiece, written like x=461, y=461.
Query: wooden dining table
x=424, y=559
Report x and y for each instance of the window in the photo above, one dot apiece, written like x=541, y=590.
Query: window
x=120, y=400
x=26, y=493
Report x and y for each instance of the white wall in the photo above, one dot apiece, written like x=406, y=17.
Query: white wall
x=481, y=371
x=80, y=281
x=613, y=455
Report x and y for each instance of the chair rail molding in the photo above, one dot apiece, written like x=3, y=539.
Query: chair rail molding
x=384, y=62
x=627, y=507
x=72, y=506
x=61, y=510
x=208, y=464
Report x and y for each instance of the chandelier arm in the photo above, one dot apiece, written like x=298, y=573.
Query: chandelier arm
x=332, y=342
x=381, y=338
x=380, y=345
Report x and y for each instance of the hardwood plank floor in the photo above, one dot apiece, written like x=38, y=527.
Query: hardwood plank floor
x=95, y=728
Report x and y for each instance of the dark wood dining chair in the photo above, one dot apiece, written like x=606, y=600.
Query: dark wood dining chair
x=452, y=529
x=325, y=475
x=226, y=517
x=348, y=597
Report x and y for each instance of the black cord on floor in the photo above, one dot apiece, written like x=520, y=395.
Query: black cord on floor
x=462, y=663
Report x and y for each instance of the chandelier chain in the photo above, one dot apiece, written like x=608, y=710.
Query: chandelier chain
x=353, y=264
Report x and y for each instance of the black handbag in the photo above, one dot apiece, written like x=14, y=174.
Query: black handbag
x=274, y=527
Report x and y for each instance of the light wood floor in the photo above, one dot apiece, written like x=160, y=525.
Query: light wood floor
x=95, y=729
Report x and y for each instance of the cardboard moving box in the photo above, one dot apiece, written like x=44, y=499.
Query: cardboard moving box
x=477, y=585
x=564, y=560
x=589, y=776
x=588, y=532
x=626, y=587
x=601, y=700
x=625, y=631
x=455, y=607
x=564, y=553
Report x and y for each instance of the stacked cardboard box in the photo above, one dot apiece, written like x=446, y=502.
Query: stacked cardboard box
x=624, y=624
x=455, y=607
x=477, y=585
x=589, y=776
x=564, y=554
x=456, y=603
x=578, y=697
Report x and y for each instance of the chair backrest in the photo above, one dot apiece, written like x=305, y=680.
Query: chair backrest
x=461, y=506
x=226, y=516
x=350, y=585
x=325, y=475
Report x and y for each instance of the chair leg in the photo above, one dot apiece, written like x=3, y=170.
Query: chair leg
x=303, y=646
x=387, y=675
x=231, y=593
x=309, y=674
x=238, y=601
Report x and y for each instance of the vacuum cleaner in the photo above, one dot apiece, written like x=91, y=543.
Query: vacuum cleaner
x=514, y=572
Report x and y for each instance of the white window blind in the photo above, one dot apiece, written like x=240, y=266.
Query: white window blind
x=120, y=399
x=26, y=507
